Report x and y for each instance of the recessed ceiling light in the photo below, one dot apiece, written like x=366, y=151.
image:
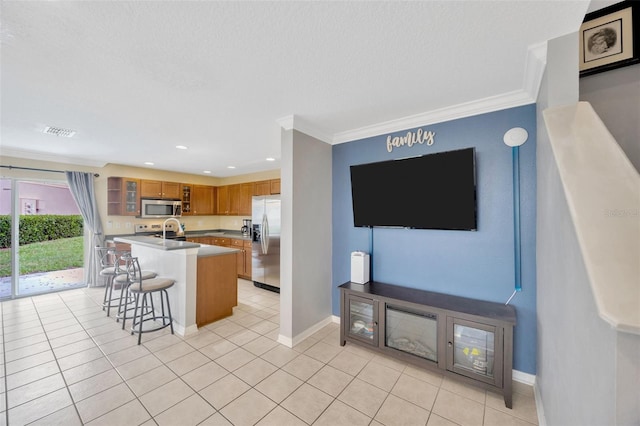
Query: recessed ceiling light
x=207, y=171
x=181, y=147
x=231, y=167
x=149, y=163
x=271, y=159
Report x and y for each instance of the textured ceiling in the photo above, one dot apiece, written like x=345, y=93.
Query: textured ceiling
x=135, y=79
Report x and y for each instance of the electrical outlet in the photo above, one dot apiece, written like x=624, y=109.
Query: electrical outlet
x=117, y=225
x=127, y=225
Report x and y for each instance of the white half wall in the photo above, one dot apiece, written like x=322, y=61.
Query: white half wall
x=587, y=372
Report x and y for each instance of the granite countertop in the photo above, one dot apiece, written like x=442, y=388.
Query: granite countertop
x=154, y=242
x=217, y=233
x=200, y=233
x=204, y=250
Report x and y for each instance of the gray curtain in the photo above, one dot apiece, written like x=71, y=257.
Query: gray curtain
x=81, y=186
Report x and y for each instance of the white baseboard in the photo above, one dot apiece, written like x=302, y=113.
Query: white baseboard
x=524, y=378
x=292, y=341
x=542, y=421
x=184, y=332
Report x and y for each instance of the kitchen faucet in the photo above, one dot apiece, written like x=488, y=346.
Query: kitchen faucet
x=164, y=227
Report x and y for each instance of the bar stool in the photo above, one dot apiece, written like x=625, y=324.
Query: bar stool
x=124, y=281
x=142, y=291
x=109, y=259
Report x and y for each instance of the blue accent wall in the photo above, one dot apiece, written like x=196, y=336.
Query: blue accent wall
x=477, y=264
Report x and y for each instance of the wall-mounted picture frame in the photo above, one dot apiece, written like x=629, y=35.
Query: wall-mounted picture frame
x=610, y=38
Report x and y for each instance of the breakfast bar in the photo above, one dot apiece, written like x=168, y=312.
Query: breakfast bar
x=205, y=288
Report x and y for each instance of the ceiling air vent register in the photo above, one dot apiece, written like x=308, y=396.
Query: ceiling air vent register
x=58, y=131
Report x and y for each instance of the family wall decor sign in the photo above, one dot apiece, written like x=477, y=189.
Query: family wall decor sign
x=420, y=137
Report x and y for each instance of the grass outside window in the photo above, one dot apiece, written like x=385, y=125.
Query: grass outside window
x=46, y=256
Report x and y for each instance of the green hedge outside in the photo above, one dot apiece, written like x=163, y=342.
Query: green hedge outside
x=37, y=228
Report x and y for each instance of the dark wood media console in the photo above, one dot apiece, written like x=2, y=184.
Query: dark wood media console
x=459, y=337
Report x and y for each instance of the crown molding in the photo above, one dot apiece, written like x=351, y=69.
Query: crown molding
x=535, y=64
x=534, y=68
x=54, y=158
x=468, y=109
x=291, y=122
x=286, y=122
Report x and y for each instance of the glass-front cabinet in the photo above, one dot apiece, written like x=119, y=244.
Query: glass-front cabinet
x=123, y=196
x=363, y=323
x=451, y=335
x=186, y=200
x=471, y=350
x=132, y=200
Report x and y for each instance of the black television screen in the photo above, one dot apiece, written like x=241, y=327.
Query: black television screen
x=434, y=191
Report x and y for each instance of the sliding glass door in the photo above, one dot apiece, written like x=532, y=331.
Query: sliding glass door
x=41, y=238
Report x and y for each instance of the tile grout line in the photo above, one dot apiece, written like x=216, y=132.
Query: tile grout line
x=68, y=308
x=86, y=296
x=110, y=362
x=52, y=352
x=66, y=385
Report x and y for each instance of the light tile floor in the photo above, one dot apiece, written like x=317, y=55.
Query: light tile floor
x=66, y=363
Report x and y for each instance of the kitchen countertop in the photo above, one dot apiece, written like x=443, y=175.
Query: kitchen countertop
x=200, y=233
x=154, y=242
x=218, y=233
x=204, y=250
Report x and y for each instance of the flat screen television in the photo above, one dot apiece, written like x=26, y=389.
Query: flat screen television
x=433, y=191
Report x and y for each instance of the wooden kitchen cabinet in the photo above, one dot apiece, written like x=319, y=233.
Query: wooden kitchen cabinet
x=121, y=247
x=235, y=200
x=123, y=196
x=203, y=200
x=243, y=261
x=222, y=198
x=216, y=288
x=221, y=241
x=228, y=200
x=274, y=185
x=266, y=187
x=160, y=189
x=262, y=188
x=246, y=192
x=198, y=240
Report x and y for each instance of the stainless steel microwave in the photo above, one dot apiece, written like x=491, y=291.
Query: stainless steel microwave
x=160, y=208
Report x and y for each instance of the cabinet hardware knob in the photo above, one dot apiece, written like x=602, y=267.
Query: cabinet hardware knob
x=450, y=344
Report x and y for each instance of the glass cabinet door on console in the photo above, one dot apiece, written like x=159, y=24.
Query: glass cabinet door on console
x=363, y=319
x=411, y=331
x=474, y=350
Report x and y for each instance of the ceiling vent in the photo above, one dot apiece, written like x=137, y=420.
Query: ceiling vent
x=58, y=131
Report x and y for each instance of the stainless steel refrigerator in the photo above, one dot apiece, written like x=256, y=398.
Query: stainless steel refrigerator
x=265, y=248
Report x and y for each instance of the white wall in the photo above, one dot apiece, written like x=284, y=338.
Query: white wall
x=587, y=373
x=615, y=95
x=305, y=298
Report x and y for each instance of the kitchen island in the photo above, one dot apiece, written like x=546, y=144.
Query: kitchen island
x=205, y=288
